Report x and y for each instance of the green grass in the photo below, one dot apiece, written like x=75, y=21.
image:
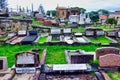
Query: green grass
x=17, y=16
x=114, y=76
x=42, y=39
x=35, y=22
x=100, y=39
x=55, y=53
x=5, y=37
x=79, y=29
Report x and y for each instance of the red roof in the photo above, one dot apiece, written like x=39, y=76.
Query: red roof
x=103, y=17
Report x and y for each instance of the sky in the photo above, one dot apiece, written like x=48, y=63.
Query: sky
x=89, y=5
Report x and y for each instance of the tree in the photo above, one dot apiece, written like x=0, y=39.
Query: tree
x=112, y=21
x=3, y=4
x=94, y=16
x=53, y=12
x=80, y=9
x=103, y=12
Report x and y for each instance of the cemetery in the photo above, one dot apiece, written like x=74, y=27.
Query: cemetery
x=68, y=43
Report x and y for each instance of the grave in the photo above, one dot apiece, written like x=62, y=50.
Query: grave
x=92, y=32
x=106, y=50
x=118, y=23
x=79, y=56
x=109, y=60
x=88, y=20
x=67, y=31
x=81, y=21
x=26, y=62
x=3, y=63
x=73, y=19
x=111, y=33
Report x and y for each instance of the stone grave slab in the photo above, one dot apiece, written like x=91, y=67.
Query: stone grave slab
x=106, y=50
x=89, y=33
x=99, y=32
x=3, y=63
x=119, y=34
x=109, y=60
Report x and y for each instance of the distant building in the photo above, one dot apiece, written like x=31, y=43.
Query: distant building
x=62, y=12
x=103, y=18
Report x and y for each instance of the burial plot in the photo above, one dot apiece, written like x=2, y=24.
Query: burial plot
x=73, y=18
x=3, y=63
x=99, y=32
x=26, y=62
x=109, y=60
x=79, y=56
x=55, y=31
x=106, y=50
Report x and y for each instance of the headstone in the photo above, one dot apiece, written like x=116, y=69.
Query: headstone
x=67, y=30
x=26, y=62
x=109, y=60
x=111, y=33
x=106, y=50
x=89, y=33
x=99, y=32
x=88, y=20
x=73, y=18
x=3, y=63
x=118, y=23
x=55, y=31
x=75, y=59
x=118, y=34
x=81, y=21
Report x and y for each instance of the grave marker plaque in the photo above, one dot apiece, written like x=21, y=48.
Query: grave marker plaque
x=119, y=34
x=55, y=31
x=1, y=64
x=67, y=30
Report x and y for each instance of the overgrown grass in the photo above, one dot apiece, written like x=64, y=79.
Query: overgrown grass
x=55, y=39
x=100, y=39
x=42, y=39
x=55, y=53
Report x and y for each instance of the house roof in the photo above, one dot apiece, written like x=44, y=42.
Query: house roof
x=103, y=17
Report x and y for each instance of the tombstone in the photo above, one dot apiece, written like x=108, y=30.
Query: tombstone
x=111, y=33
x=89, y=32
x=81, y=21
x=79, y=56
x=26, y=62
x=99, y=32
x=67, y=30
x=73, y=18
x=109, y=60
x=106, y=50
x=83, y=58
x=118, y=34
x=55, y=31
x=118, y=23
x=3, y=63
x=88, y=20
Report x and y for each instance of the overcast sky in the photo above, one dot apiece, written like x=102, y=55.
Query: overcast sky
x=52, y=4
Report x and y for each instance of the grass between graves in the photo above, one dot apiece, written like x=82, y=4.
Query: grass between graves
x=114, y=76
x=42, y=39
x=55, y=39
x=100, y=39
x=79, y=29
x=55, y=53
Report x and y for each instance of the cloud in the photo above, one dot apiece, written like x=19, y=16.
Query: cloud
x=52, y=4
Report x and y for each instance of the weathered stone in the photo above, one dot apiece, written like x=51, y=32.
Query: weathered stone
x=109, y=60
x=3, y=63
x=106, y=50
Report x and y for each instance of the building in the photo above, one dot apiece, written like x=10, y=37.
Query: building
x=103, y=18
x=61, y=12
